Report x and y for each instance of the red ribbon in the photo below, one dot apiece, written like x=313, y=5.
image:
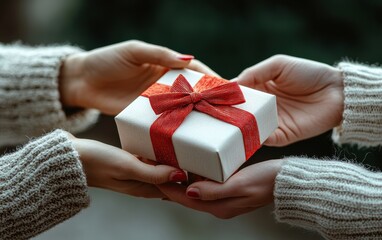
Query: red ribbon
x=174, y=106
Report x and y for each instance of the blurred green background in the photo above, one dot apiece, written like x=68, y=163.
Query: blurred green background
x=228, y=36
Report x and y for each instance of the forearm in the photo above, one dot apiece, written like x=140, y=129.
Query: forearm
x=41, y=185
x=29, y=93
x=362, y=116
x=338, y=199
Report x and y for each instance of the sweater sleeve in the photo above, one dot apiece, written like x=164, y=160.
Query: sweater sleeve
x=29, y=95
x=362, y=116
x=41, y=185
x=338, y=199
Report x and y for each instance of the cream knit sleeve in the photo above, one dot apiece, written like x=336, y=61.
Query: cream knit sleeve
x=338, y=199
x=41, y=185
x=362, y=117
x=29, y=96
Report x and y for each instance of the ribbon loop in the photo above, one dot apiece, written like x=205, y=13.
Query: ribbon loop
x=226, y=94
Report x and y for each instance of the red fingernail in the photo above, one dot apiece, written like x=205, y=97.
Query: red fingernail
x=178, y=176
x=185, y=57
x=193, y=193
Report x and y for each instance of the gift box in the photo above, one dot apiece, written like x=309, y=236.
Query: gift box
x=199, y=123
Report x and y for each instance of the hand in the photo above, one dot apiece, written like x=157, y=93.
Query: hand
x=111, y=77
x=245, y=191
x=111, y=168
x=309, y=96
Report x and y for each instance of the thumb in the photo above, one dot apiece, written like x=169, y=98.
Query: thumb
x=209, y=190
x=142, y=53
x=262, y=72
x=158, y=174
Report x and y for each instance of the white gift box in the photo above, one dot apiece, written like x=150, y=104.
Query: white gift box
x=203, y=145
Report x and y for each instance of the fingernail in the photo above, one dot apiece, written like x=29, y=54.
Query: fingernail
x=193, y=193
x=178, y=176
x=185, y=57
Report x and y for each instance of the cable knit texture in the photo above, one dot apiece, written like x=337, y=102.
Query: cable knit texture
x=362, y=117
x=29, y=96
x=41, y=185
x=338, y=199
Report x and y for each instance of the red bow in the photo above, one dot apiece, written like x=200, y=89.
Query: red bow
x=182, y=95
x=216, y=102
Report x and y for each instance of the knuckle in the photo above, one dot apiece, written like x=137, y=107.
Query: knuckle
x=159, y=54
x=134, y=42
x=246, y=71
x=163, y=51
x=156, y=179
x=214, y=196
x=279, y=59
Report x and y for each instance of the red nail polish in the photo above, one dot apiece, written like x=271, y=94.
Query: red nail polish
x=185, y=57
x=178, y=176
x=193, y=193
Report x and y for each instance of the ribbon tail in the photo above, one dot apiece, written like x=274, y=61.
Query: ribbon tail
x=244, y=120
x=161, y=132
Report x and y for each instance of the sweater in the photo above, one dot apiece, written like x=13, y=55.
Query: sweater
x=42, y=183
x=29, y=96
x=339, y=199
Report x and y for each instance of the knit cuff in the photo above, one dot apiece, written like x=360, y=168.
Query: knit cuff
x=362, y=117
x=41, y=185
x=29, y=95
x=340, y=200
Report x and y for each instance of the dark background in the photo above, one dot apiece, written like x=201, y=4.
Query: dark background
x=226, y=35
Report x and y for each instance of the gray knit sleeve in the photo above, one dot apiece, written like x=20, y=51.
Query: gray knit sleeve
x=41, y=185
x=338, y=199
x=29, y=96
x=362, y=116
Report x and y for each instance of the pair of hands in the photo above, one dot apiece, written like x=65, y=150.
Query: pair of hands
x=108, y=79
x=309, y=101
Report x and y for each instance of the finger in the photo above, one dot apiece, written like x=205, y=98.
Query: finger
x=131, y=168
x=223, y=208
x=264, y=71
x=137, y=189
x=198, y=66
x=277, y=139
x=209, y=190
x=157, y=174
x=142, y=53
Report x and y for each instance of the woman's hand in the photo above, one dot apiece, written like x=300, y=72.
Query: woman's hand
x=111, y=168
x=111, y=77
x=309, y=96
x=247, y=190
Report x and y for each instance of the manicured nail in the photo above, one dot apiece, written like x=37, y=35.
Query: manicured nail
x=193, y=193
x=178, y=176
x=185, y=57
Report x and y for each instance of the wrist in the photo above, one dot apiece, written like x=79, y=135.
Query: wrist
x=71, y=80
x=338, y=79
